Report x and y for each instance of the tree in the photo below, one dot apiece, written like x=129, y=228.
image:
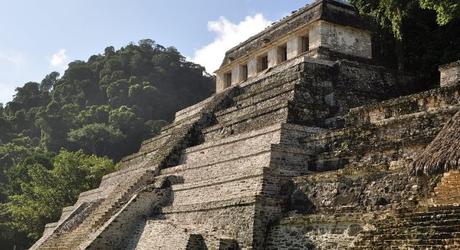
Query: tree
x=46, y=187
x=49, y=81
x=98, y=138
x=417, y=36
x=446, y=10
x=392, y=13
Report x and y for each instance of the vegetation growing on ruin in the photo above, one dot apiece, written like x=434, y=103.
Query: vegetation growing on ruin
x=415, y=35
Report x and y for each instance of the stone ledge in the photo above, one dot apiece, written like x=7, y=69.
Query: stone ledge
x=405, y=101
x=218, y=181
x=128, y=170
x=267, y=85
x=237, y=113
x=329, y=135
x=156, y=144
x=236, y=138
x=185, y=167
x=155, y=138
x=392, y=120
x=327, y=218
x=255, y=101
x=189, y=120
x=245, y=118
x=450, y=65
x=89, y=193
x=191, y=109
x=286, y=148
x=214, y=205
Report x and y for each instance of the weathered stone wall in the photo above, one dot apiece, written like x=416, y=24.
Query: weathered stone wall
x=341, y=39
x=367, y=178
x=450, y=74
x=317, y=231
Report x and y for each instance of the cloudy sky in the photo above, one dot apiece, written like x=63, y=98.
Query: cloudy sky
x=37, y=37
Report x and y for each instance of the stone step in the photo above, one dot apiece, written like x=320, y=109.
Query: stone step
x=431, y=215
x=209, y=205
x=447, y=190
x=446, y=201
x=147, y=148
x=251, y=143
x=252, y=121
x=237, y=113
x=244, y=165
x=270, y=92
x=448, y=109
x=449, y=182
x=261, y=87
x=422, y=102
x=212, y=191
x=191, y=110
x=415, y=230
x=154, y=145
x=190, y=120
x=270, y=95
x=427, y=223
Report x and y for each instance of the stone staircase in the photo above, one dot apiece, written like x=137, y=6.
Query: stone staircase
x=103, y=212
x=241, y=171
x=447, y=192
x=437, y=228
x=138, y=172
x=260, y=104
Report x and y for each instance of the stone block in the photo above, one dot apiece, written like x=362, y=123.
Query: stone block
x=450, y=74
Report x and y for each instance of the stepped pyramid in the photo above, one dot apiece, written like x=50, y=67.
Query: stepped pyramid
x=306, y=145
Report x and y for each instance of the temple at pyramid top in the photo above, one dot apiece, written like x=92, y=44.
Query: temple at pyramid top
x=325, y=29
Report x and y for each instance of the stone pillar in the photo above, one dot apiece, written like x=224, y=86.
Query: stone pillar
x=294, y=47
x=273, y=57
x=314, y=35
x=450, y=73
x=252, y=67
x=220, y=82
x=236, y=74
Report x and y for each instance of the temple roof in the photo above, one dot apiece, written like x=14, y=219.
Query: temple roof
x=334, y=11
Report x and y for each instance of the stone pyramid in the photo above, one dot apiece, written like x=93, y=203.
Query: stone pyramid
x=305, y=145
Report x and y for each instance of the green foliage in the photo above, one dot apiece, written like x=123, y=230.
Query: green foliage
x=392, y=13
x=96, y=138
x=45, y=187
x=446, y=10
x=416, y=36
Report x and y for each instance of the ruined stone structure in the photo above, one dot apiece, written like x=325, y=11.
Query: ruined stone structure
x=305, y=145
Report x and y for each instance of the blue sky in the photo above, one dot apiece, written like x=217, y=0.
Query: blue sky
x=40, y=36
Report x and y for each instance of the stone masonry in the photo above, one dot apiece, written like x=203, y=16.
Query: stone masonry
x=305, y=145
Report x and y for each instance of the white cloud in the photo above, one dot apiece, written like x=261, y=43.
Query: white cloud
x=59, y=60
x=227, y=35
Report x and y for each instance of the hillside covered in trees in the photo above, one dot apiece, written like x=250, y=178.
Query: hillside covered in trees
x=60, y=136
